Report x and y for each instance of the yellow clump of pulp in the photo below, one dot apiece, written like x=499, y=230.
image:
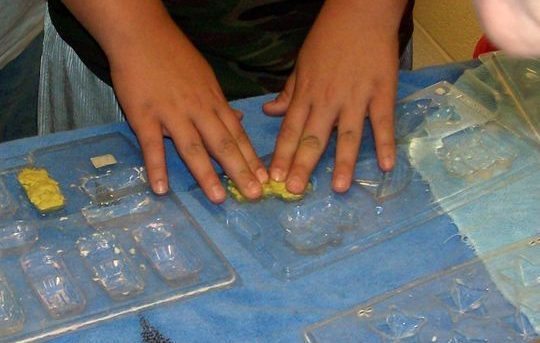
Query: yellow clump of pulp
x=276, y=189
x=42, y=191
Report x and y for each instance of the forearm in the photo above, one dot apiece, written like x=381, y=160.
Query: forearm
x=124, y=26
x=364, y=16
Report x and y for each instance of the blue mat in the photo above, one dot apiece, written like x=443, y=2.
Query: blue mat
x=259, y=307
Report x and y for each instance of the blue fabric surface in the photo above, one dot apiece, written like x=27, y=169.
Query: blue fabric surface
x=259, y=307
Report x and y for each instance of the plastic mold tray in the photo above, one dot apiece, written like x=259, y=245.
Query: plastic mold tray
x=114, y=249
x=519, y=82
x=442, y=132
x=461, y=304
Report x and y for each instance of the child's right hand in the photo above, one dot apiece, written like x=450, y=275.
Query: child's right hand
x=166, y=88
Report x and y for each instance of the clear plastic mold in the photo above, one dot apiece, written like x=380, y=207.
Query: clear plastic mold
x=167, y=254
x=435, y=169
x=451, y=152
x=475, y=153
x=96, y=270
x=7, y=205
x=461, y=304
x=52, y=282
x=519, y=105
x=111, y=214
x=381, y=184
x=437, y=111
x=110, y=265
x=11, y=313
x=17, y=236
x=310, y=227
x=114, y=185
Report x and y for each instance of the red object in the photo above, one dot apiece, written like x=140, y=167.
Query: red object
x=482, y=46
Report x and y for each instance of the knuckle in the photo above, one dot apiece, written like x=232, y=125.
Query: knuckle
x=241, y=137
x=226, y=146
x=192, y=148
x=348, y=136
x=312, y=142
x=288, y=133
x=330, y=95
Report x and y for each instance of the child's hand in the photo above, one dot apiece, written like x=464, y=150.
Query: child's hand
x=166, y=87
x=346, y=68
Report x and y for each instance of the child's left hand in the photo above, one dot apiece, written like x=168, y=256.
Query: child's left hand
x=346, y=68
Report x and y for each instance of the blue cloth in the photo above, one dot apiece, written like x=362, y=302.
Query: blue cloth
x=259, y=307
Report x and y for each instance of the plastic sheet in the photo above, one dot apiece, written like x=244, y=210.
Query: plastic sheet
x=114, y=249
x=460, y=141
x=461, y=304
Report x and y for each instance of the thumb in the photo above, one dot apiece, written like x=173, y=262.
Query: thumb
x=280, y=104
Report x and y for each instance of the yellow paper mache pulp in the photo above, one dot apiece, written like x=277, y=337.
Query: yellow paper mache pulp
x=42, y=191
x=271, y=188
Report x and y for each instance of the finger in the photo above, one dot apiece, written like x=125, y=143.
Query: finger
x=349, y=137
x=279, y=105
x=288, y=139
x=229, y=118
x=312, y=144
x=151, y=141
x=239, y=114
x=223, y=147
x=381, y=114
x=191, y=148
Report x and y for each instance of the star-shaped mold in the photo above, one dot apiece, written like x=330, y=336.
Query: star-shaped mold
x=521, y=325
x=398, y=326
x=410, y=118
x=383, y=185
x=462, y=299
x=523, y=273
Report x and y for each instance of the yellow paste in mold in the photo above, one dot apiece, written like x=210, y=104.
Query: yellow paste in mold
x=42, y=191
x=277, y=189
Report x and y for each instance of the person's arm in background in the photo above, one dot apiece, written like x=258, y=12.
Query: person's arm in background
x=347, y=68
x=512, y=25
x=166, y=87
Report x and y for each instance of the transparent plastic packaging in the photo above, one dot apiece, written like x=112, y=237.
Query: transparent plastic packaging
x=108, y=188
x=445, y=138
x=114, y=249
x=110, y=214
x=17, y=237
x=7, y=205
x=53, y=284
x=11, y=314
x=461, y=304
x=168, y=255
x=518, y=82
x=111, y=266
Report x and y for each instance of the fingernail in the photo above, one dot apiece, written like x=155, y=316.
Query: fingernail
x=262, y=175
x=218, y=193
x=160, y=187
x=387, y=163
x=294, y=185
x=340, y=183
x=254, y=188
x=277, y=174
